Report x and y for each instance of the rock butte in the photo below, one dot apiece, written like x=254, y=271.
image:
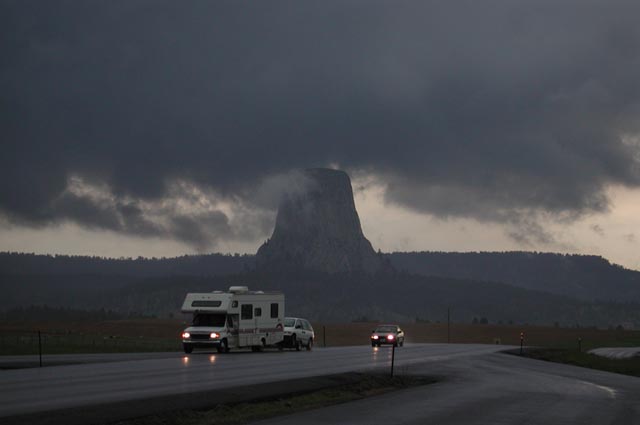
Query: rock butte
x=318, y=228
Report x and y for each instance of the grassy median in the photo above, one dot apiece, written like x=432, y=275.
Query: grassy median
x=367, y=385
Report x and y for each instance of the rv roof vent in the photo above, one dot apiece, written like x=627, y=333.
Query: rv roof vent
x=238, y=289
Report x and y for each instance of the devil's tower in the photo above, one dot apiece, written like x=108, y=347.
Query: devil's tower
x=318, y=229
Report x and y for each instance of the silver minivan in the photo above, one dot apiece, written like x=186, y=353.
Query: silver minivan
x=298, y=333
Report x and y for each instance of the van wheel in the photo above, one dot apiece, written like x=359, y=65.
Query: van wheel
x=310, y=344
x=297, y=343
x=188, y=348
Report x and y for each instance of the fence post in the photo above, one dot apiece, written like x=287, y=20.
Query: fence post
x=393, y=357
x=324, y=336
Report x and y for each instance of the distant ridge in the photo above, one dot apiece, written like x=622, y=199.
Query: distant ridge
x=586, y=277
x=157, y=286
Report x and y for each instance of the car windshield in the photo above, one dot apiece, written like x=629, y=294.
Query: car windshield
x=213, y=320
x=289, y=322
x=383, y=329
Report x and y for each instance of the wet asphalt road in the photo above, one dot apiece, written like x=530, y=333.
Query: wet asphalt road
x=493, y=389
x=478, y=385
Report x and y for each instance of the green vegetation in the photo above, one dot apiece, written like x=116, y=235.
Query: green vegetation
x=231, y=414
x=574, y=357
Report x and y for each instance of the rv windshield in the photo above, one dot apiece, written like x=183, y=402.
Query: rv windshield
x=214, y=320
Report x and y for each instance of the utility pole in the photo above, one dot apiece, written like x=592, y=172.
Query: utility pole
x=40, y=347
x=448, y=325
x=324, y=336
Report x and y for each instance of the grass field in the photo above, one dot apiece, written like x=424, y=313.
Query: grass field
x=163, y=335
x=90, y=337
x=366, y=385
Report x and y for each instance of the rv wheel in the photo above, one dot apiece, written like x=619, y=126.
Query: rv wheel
x=188, y=348
x=223, y=347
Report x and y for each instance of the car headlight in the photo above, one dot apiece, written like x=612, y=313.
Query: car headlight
x=375, y=337
x=214, y=335
x=186, y=335
x=390, y=337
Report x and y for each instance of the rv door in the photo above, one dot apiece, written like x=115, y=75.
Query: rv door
x=247, y=325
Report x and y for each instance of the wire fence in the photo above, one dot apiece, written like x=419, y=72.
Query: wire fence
x=65, y=342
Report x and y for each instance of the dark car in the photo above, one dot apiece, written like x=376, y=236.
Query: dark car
x=387, y=334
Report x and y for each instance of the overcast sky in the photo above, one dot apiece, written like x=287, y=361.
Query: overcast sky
x=161, y=128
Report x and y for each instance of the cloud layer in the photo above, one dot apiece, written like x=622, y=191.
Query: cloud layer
x=498, y=111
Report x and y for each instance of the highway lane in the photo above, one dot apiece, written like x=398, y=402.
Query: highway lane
x=493, y=389
x=25, y=391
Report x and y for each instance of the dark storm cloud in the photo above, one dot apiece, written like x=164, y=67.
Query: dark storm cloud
x=499, y=111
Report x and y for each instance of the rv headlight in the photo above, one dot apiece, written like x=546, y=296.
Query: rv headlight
x=186, y=335
x=214, y=335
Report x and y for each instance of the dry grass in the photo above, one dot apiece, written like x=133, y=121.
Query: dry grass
x=160, y=334
x=358, y=333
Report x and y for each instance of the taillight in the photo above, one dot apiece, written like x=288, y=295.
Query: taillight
x=390, y=337
x=186, y=335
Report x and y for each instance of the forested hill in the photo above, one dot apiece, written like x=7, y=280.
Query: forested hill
x=56, y=265
x=581, y=276
x=578, y=276
x=339, y=297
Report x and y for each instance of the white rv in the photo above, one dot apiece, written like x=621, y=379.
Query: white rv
x=238, y=318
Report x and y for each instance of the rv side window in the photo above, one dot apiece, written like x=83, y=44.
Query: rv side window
x=257, y=312
x=246, y=311
x=274, y=310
